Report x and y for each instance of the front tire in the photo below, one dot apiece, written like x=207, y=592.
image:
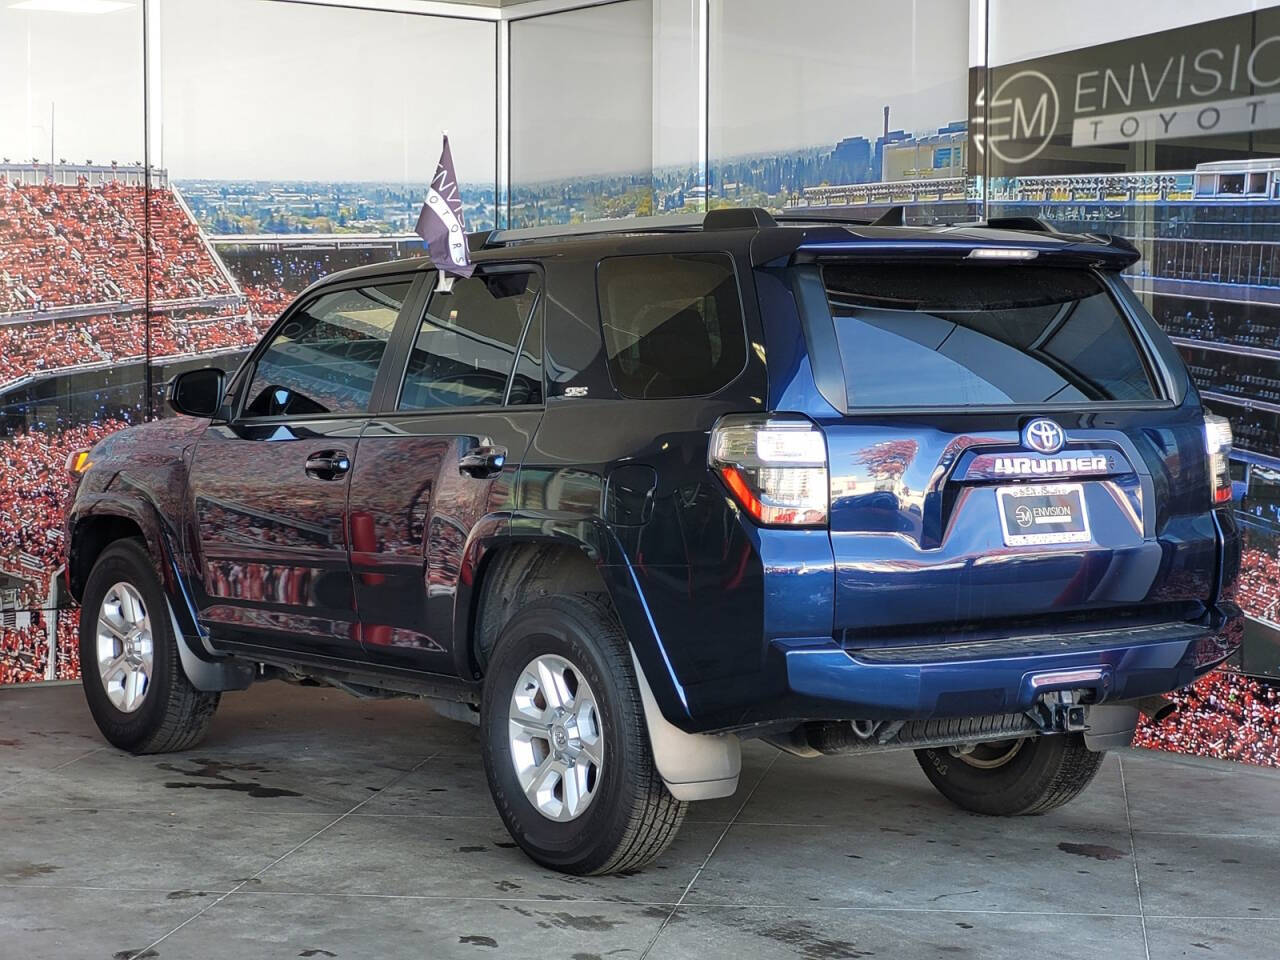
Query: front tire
x=133, y=680
x=566, y=749
x=1012, y=778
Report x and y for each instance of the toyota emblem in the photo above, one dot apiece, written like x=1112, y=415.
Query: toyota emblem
x=1043, y=435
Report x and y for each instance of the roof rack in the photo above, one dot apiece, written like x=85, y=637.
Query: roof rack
x=893, y=217
x=724, y=218
x=815, y=215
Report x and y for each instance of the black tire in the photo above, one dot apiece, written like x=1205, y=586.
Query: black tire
x=1044, y=773
x=631, y=818
x=173, y=715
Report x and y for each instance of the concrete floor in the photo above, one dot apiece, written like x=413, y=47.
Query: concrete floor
x=313, y=825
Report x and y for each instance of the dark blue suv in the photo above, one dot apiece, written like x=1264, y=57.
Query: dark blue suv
x=636, y=492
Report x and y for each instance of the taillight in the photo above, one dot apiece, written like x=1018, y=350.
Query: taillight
x=775, y=467
x=1217, y=441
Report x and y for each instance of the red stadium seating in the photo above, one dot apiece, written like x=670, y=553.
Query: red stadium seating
x=1226, y=715
x=48, y=346
x=65, y=246
x=33, y=495
x=1258, y=590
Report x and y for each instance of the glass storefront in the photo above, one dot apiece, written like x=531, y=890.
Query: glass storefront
x=72, y=264
x=624, y=143
x=174, y=172
x=838, y=104
x=1170, y=138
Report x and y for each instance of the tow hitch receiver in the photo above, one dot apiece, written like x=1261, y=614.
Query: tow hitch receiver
x=1059, y=712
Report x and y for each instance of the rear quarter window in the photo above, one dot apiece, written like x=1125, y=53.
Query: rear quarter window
x=672, y=324
x=982, y=335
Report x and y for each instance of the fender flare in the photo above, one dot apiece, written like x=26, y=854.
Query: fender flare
x=694, y=766
x=207, y=671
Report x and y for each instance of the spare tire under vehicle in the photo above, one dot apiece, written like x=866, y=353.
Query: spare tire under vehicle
x=1010, y=778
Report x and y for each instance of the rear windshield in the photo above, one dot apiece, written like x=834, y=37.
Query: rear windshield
x=980, y=335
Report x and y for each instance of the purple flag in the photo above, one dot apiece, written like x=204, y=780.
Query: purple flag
x=440, y=222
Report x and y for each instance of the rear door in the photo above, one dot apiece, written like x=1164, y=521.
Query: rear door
x=1012, y=452
x=437, y=464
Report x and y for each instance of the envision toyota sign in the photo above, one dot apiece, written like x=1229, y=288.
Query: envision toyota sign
x=1022, y=119
x=1220, y=77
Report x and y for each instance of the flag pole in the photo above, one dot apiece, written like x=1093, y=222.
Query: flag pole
x=441, y=222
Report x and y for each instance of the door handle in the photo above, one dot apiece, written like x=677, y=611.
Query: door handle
x=483, y=462
x=329, y=465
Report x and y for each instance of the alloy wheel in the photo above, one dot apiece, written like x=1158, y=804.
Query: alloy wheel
x=555, y=737
x=125, y=647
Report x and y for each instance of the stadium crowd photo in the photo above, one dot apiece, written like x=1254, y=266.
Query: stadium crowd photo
x=102, y=270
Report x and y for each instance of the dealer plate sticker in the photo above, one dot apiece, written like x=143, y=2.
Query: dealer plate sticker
x=1043, y=513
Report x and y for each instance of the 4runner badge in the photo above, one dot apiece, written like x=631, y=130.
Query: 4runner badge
x=1052, y=466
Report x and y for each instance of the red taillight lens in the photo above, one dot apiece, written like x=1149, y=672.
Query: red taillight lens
x=1218, y=440
x=775, y=467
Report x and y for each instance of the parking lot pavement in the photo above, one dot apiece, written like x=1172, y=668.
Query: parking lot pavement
x=310, y=824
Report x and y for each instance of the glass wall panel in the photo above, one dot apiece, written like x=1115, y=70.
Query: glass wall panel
x=291, y=141
x=71, y=266
x=1170, y=137
x=837, y=104
x=604, y=112
x=1166, y=130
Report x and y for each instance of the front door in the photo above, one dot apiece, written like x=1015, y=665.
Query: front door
x=269, y=489
x=440, y=462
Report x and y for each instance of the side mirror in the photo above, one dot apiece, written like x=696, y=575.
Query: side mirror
x=197, y=393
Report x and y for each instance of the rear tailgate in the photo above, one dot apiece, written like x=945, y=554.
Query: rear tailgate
x=921, y=540
x=1013, y=454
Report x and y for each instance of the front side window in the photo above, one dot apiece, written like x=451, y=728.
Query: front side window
x=978, y=335
x=672, y=324
x=325, y=358
x=467, y=344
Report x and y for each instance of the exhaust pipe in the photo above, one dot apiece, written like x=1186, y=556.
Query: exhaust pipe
x=1155, y=708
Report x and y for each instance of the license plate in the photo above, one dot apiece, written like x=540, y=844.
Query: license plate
x=1044, y=513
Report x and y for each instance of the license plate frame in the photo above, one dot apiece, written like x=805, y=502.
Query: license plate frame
x=1033, y=514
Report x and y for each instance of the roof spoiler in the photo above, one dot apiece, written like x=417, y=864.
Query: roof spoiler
x=1036, y=225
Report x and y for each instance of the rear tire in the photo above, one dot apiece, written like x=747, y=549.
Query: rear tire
x=1013, y=778
x=620, y=815
x=147, y=705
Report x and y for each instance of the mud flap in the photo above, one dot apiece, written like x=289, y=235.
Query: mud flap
x=694, y=766
x=208, y=676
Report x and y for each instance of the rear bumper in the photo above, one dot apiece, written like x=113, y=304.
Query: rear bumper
x=824, y=680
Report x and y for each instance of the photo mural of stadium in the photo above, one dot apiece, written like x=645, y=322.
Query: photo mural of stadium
x=115, y=276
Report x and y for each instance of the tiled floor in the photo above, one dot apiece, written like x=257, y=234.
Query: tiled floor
x=313, y=825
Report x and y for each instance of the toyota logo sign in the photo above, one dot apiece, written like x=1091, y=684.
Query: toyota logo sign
x=1043, y=435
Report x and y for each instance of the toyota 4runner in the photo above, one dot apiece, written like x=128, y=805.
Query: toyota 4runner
x=633, y=493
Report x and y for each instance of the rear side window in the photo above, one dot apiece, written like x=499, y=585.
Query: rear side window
x=979, y=335
x=672, y=324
